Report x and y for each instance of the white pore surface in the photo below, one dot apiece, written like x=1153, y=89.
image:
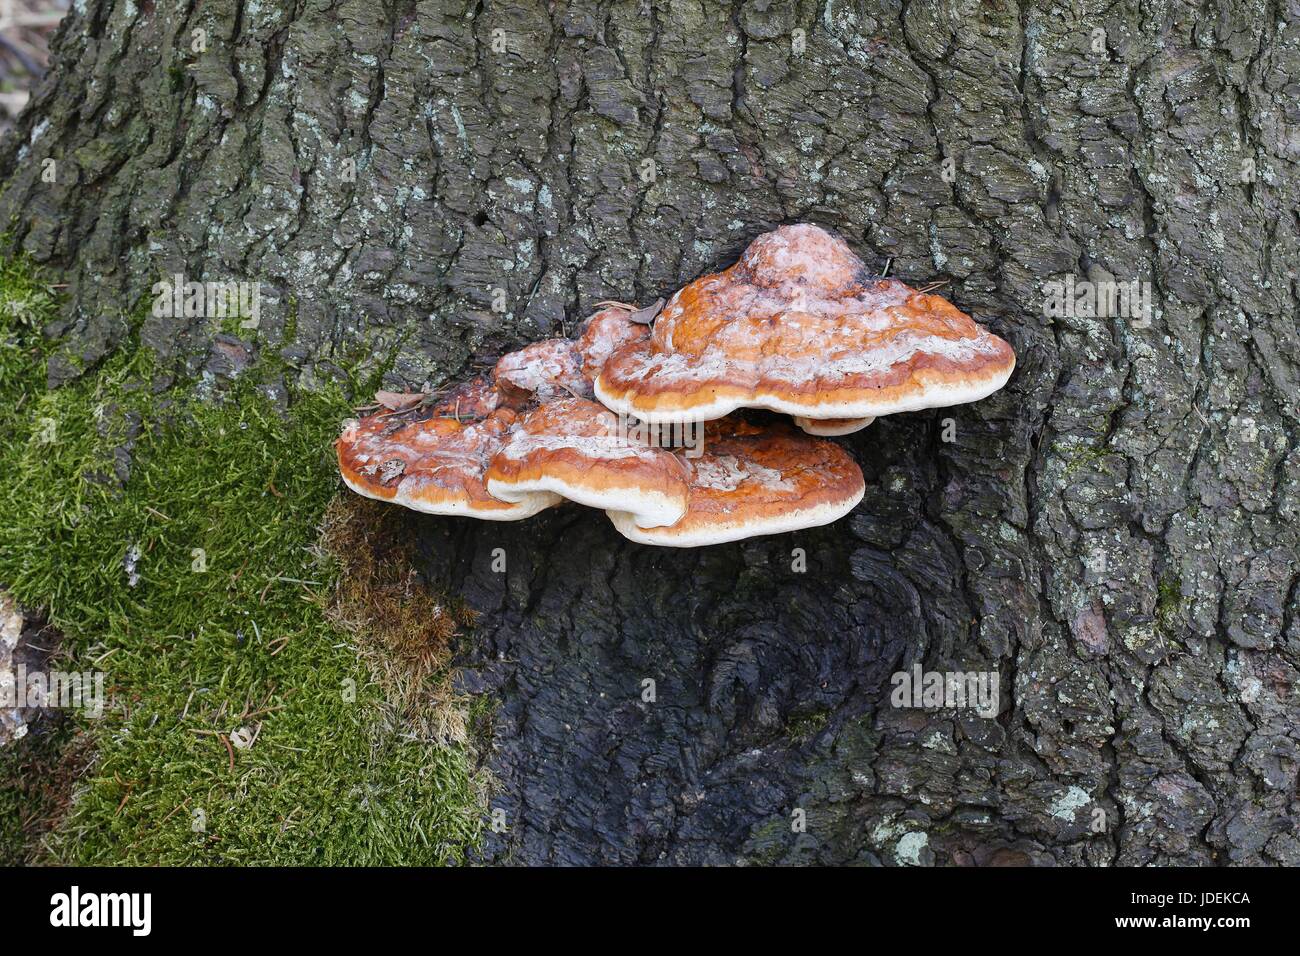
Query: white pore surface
x=646, y=509
x=735, y=530
x=463, y=507
x=832, y=427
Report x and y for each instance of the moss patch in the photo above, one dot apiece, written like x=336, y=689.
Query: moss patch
x=173, y=542
x=806, y=727
x=1169, y=605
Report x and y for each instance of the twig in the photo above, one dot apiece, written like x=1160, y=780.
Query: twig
x=174, y=810
x=262, y=711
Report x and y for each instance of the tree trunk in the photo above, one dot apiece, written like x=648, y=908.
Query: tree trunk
x=1114, y=534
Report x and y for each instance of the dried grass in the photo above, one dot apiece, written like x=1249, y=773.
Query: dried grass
x=37, y=783
x=402, y=626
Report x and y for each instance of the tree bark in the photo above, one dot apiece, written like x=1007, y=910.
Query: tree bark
x=1114, y=533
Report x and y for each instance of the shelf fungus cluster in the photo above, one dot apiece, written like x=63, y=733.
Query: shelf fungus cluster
x=797, y=326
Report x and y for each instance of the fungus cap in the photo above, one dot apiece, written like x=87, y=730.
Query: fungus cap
x=542, y=371
x=753, y=481
x=558, y=368
x=472, y=400
x=573, y=447
x=434, y=457
x=605, y=332
x=430, y=460
x=797, y=326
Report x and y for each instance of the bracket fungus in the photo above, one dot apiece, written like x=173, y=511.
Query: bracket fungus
x=832, y=427
x=548, y=442
x=798, y=326
x=754, y=480
x=540, y=372
x=574, y=448
x=432, y=458
x=553, y=368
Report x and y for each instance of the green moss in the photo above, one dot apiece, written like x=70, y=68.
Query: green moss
x=1077, y=458
x=1169, y=601
x=770, y=842
x=224, y=628
x=808, y=726
x=290, y=333
x=24, y=299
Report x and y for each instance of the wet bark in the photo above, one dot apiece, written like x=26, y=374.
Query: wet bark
x=1114, y=534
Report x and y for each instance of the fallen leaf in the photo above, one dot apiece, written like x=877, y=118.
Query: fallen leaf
x=647, y=315
x=396, y=401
